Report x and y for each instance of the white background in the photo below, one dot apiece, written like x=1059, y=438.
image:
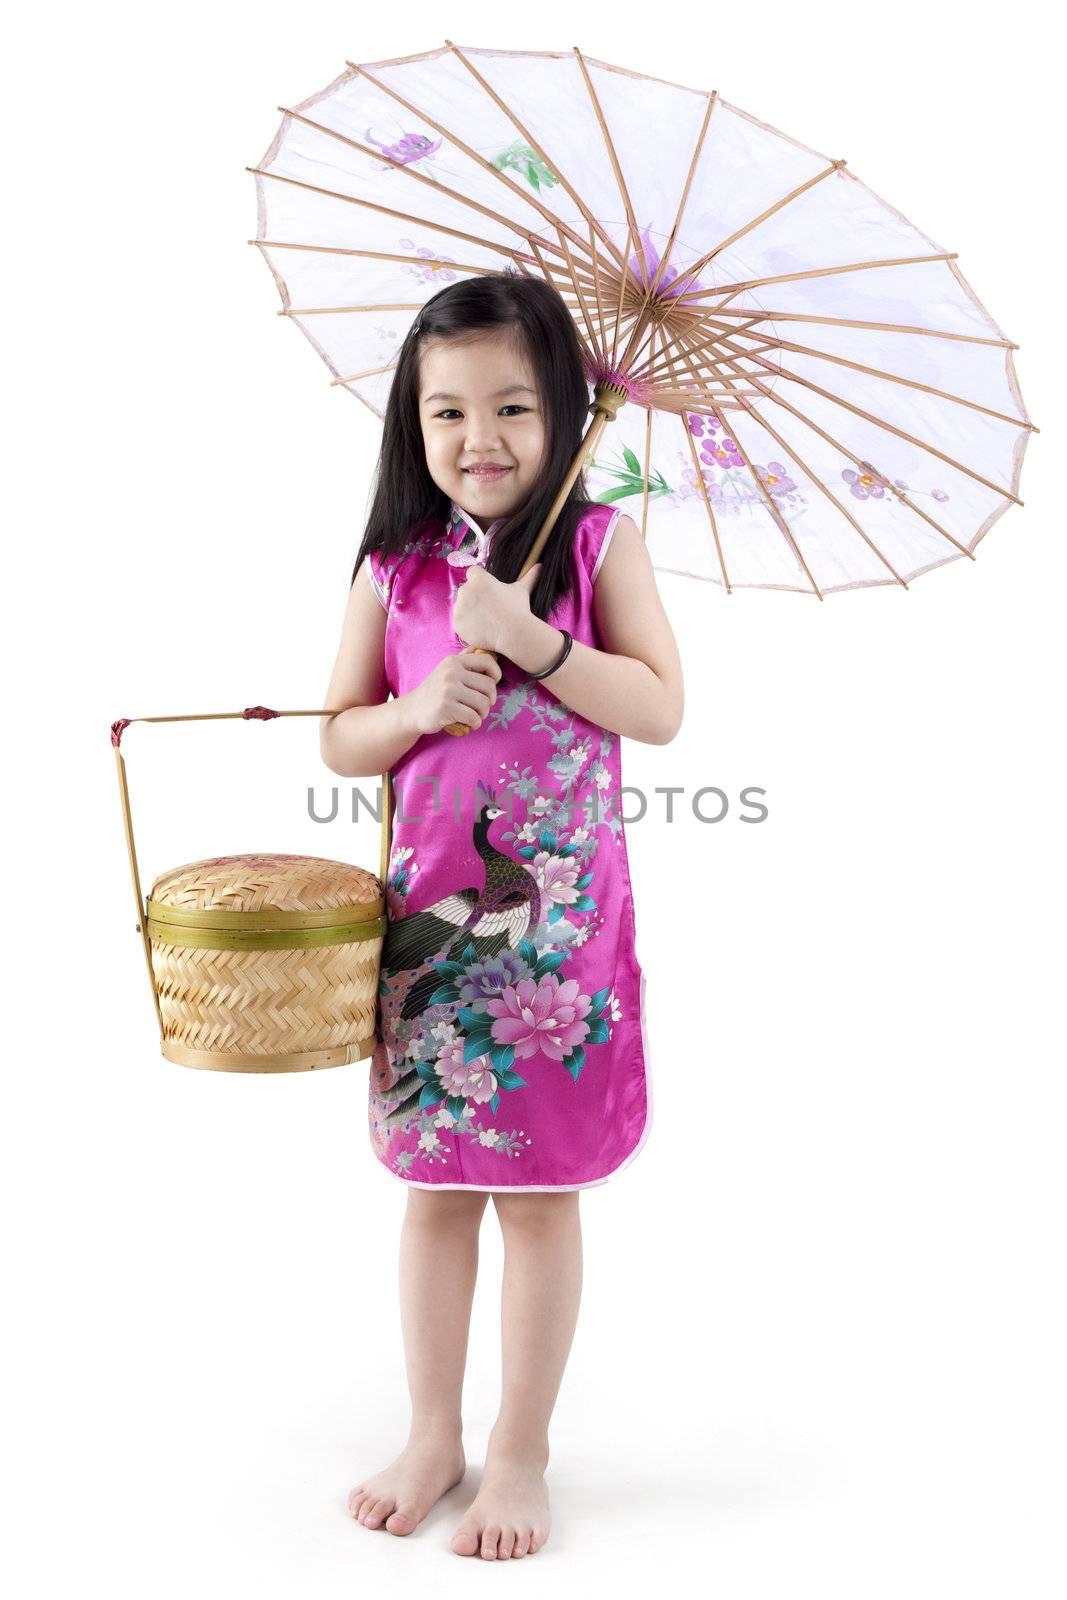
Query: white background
x=821, y=1343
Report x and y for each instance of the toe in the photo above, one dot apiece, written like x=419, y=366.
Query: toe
x=465, y=1540
x=507, y=1543
x=490, y=1539
x=355, y=1500
x=379, y=1509
x=522, y=1545
x=403, y=1520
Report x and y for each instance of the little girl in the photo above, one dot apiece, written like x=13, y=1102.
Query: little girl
x=511, y=1054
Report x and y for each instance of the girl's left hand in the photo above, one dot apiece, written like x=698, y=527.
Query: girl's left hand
x=486, y=612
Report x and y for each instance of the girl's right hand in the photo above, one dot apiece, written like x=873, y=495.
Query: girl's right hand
x=461, y=688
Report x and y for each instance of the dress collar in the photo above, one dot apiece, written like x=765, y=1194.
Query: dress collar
x=468, y=538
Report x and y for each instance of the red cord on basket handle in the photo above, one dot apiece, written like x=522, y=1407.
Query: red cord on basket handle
x=250, y=713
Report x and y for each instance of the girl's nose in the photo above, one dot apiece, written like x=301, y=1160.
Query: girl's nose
x=482, y=434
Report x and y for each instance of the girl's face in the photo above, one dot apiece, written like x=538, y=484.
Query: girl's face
x=482, y=425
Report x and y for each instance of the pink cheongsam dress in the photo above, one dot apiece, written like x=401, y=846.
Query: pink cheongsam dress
x=512, y=1047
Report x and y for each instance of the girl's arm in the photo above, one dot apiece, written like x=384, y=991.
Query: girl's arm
x=634, y=685
x=374, y=732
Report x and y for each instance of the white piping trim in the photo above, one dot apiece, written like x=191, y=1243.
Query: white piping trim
x=612, y=525
x=383, y=597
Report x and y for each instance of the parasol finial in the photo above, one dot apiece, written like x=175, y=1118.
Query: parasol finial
x=613, y=386
x=609, y=398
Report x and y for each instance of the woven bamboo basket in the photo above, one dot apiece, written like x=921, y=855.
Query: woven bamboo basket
x=262, y=962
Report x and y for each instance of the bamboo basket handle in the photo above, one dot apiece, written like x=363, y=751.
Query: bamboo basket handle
x=608, y=398
x=249, y=714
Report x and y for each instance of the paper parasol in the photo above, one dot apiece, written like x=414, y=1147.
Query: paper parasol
x=817, y=400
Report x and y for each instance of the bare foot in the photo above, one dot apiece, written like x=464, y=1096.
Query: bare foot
x=428, y=1466
x=509, y=1515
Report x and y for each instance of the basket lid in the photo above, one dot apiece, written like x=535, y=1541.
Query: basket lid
x=257, y=882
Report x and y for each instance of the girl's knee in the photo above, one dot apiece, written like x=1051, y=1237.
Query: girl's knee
x=538, y=1211
x=445, y=1207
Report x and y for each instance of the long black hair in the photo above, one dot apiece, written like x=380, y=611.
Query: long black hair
x=405, y=495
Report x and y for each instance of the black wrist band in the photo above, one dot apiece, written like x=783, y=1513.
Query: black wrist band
x=568, y=640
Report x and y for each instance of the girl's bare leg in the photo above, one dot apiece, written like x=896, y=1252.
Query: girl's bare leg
x=539, y=1311
x=438, y=1269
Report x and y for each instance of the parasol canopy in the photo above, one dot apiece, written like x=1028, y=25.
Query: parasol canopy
x=804, y=393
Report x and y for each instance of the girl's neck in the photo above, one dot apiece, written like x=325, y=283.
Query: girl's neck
x=479, y=524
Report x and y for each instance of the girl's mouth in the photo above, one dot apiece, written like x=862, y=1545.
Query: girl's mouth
x=486, y=474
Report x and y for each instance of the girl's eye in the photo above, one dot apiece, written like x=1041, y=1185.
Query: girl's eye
x=453, y=412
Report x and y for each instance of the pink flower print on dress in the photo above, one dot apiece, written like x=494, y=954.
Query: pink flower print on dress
x=558, y=877
x=467, y=1080
x=545, y=1016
